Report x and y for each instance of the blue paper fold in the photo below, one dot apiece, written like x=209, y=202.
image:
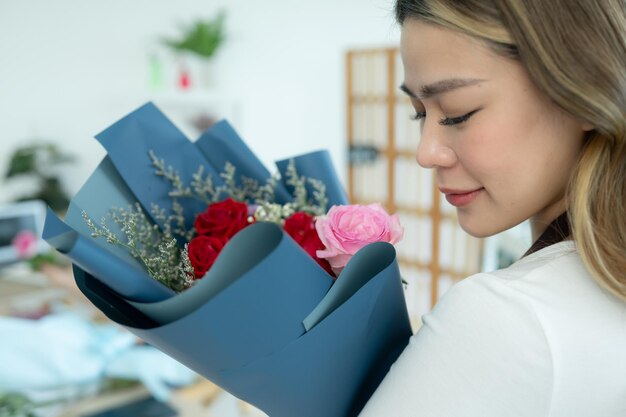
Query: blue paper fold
x=284, y=293
x=319, y=166
x=365, y=265
x=343, y=358
x=104, y=189
x=221, y=144
x=129, y=142
x=265, y=322
x=333, y=369
x=259, y=312
x=129, y=280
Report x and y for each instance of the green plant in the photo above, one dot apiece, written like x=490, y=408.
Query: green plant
x=202, y=38
x=38, y=161
x=15, y=405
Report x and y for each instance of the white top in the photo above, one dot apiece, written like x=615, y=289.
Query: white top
x=537, y=339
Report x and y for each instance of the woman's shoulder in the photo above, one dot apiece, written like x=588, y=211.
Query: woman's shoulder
x=555, y=310
x=544, y=300
x=550, y=291
x=552, y=261
x=515, y=287
x=554, y=277
x=482, y=345
x=511, y=342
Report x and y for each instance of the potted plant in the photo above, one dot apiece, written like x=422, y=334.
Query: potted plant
x=201, y=39
x=39, y=162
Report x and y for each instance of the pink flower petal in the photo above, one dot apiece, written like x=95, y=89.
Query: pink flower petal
x=347, y=229
x=25, y=243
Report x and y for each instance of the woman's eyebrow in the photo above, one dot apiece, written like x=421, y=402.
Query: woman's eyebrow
x=439, y=87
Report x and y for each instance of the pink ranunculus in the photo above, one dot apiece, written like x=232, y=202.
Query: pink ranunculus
x=346, y=229
x=25, y=243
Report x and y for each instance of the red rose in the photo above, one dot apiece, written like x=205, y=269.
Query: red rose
x=203, y=251
x=222, y=220
x=301, y=227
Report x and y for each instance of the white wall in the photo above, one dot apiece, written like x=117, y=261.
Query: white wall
x=70, y=68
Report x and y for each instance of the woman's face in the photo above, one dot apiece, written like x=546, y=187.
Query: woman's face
x=502, y=152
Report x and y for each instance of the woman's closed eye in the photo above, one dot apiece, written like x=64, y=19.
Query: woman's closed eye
x=419, y=115
x=446, y=121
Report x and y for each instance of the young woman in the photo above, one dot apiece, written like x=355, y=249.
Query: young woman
x=522, y=105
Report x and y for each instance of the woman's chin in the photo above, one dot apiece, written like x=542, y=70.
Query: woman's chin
x=479, y=229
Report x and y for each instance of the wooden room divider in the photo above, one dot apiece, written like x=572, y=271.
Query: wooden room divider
x=382, y=141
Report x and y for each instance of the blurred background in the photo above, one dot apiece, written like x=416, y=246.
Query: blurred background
x=72, y=67
x=290, y=76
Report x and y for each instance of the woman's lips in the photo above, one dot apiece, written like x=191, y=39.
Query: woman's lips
x=460, y=198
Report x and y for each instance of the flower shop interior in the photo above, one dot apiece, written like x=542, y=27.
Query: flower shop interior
x=290, y=77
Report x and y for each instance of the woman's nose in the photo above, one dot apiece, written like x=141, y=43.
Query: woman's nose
x=433, y=152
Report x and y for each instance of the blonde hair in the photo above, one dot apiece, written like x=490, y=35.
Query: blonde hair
x=575, y=52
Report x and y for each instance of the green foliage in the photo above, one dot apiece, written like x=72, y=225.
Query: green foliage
x=118, y=384
x=13, y=404
x=41, y=259
x=315, y=207
x=36, y=158
x=202, y=38
x=16, y=405
x=39, y=161
x=277, y=213
x=156, y=249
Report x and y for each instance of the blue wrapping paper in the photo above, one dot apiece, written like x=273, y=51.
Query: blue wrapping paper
x=221, y=144
x=128, y=279
x=255, y=251
x=266, y=322
x=103, y=190
x=317, y=165
x=334, y=368
x=128, y=143
x=329, y=371
x=126, y=175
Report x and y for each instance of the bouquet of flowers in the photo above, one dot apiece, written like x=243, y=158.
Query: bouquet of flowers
x=245, y=277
